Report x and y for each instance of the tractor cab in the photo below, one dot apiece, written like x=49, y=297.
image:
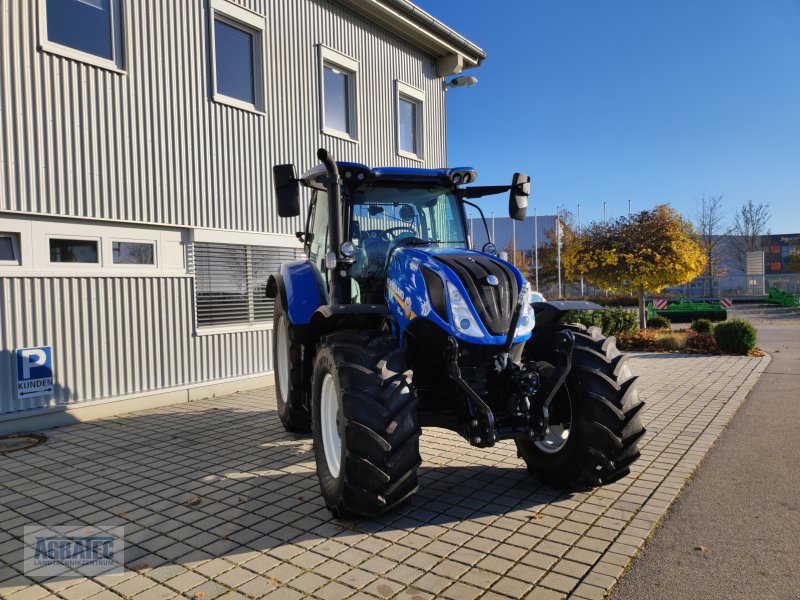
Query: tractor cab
x=381, y=210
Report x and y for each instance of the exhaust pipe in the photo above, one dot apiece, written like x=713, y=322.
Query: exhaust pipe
x=335, y=232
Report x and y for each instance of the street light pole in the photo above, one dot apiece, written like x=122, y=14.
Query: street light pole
x=558, y=249
x=536, y=247
x=579, y=232
x=513, y=242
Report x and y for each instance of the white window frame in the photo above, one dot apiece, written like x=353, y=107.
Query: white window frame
x=404, y=91
x=150, y=241
x=15, y=249
x=254, y=24
x=331, y=58
x=74, y=265
x=34, y=235
x=117, y=65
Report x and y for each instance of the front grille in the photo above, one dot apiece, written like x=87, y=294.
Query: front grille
x=494, y=303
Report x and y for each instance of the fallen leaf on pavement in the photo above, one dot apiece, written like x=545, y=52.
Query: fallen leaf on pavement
x=701, y=548
x=193, y=502
x=273, y=581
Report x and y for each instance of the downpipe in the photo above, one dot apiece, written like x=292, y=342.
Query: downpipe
x=338, y=275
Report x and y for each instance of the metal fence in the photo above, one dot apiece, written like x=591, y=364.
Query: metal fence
x=737, y=286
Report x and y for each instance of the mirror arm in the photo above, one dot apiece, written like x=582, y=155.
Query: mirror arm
x=479, y=191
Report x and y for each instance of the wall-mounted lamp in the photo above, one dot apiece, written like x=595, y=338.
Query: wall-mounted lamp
x=462, y=81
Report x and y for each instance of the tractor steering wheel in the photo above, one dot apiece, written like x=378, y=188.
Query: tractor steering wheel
x=396, y=231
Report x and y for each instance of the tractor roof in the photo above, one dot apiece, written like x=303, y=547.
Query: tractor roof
x=356, y=172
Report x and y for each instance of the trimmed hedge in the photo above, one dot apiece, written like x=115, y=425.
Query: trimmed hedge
x=735, y=337
x=612, y=321
x=659, y=322
x=702, y=326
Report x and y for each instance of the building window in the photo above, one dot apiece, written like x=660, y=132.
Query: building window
x=74, y=251
x=88, y=30
x=133, y=253
x=338, y=94
x=237, y=56
x=231, y=280
x=410, y=102
x=9, y=249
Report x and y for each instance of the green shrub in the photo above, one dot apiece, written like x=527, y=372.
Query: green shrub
x=612, y=321
x=658, y=322
x=735, y=337
x=670, y=341
x=702, y=326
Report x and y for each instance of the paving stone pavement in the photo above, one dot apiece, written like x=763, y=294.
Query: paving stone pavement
x=218, y=501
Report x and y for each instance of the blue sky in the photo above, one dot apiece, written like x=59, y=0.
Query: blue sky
x=632, y=99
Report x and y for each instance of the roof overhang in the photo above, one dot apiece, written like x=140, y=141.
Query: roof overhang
x=452, y=51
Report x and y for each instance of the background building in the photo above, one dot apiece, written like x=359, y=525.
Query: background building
x=505, y=231
x=137, y=221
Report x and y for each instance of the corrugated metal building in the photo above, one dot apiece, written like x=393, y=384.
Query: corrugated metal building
x=137, y=224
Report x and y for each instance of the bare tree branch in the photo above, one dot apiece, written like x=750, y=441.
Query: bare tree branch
x=710, y=227
x=749, y=224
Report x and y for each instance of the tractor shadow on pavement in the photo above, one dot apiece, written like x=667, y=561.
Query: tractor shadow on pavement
x=196, y=481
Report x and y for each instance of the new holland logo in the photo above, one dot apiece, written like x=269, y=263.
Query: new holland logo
x=492, y=280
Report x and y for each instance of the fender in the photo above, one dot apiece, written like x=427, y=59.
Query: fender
x=301, y=288
x=550, y=312
x=329, y=318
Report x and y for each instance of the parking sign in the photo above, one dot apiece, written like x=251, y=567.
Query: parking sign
x=34, y=372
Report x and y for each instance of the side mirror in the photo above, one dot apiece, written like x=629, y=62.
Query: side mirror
x=518, y=196
x=287, y=190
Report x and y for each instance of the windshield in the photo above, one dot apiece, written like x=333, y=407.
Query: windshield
x=432, y=215
x=384, y=217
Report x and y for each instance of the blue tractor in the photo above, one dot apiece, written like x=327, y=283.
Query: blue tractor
x=392, y=323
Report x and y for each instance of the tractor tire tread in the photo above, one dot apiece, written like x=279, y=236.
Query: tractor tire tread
x=609, y=428
x=382, y=431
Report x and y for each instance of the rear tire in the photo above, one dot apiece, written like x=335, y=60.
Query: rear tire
x=365, y=424
x=287, y=354
x=596, y=412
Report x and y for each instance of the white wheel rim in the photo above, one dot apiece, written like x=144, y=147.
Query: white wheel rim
x=554, y=441
x=557, y=434
x=329, y=422
x=283, y=357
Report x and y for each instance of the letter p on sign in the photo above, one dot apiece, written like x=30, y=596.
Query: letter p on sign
x=31, y=358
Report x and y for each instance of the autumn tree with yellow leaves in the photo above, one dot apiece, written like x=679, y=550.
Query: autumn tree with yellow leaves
x=644, y=252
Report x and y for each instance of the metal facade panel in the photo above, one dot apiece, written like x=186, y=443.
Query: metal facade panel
x=115, y=336
x=149, y=145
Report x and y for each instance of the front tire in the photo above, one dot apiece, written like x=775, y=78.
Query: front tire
x=365, y=424
x=594, y=422
x=287, y=354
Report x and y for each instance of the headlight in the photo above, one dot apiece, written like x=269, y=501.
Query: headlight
x=463, y=319
x=527, y=318
x=347, y=249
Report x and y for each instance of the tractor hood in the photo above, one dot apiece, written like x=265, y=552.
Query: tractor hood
x=470, y=294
